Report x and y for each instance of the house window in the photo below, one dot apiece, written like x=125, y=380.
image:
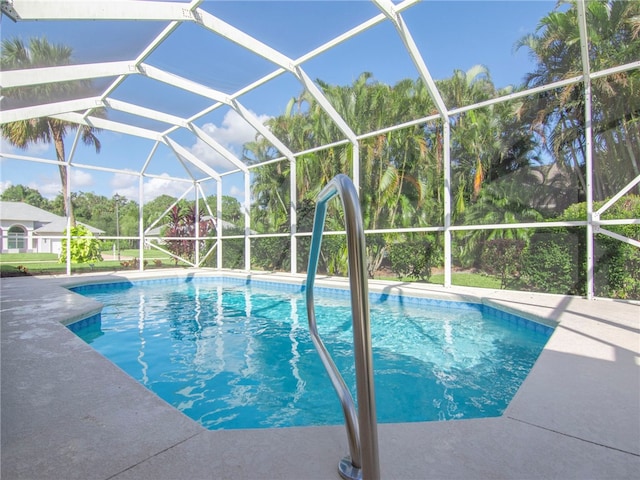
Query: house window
x=16, y=238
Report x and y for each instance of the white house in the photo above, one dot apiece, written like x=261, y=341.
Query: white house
x=29, y=229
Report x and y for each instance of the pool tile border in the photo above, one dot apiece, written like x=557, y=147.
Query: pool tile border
x=557, y=414
x=374, y=297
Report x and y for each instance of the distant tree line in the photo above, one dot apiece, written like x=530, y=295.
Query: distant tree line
x=100, y=211
x=520, y=161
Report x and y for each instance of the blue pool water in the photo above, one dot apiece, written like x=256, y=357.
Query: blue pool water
x=232, y=354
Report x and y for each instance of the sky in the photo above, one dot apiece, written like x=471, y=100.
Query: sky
x=450, y=34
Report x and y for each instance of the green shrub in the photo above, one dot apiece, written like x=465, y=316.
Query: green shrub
x=333, y=258
x=627, y=274
x=83, y=250
x=550, y=262
x=412, y=259
x=106, y=245
x=233, y=253
x=617, y=271
x=271, y=253
x=232, y=250
x=502, y=257
x=556, y=259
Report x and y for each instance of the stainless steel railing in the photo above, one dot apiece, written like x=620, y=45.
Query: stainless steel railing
x=362, y=432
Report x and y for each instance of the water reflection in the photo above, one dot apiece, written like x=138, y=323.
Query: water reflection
x=236, y=357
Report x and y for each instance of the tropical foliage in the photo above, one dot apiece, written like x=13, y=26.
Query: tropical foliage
x=517, y=161
x=512, y=162
x=413, y=259
x=48, y=130
x=558, y=116
x=85, y=248
x=401, y=172
x=182, y=228
x=22, y=193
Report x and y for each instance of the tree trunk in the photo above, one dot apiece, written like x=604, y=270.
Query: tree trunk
x=629, y=143
x=58, y=141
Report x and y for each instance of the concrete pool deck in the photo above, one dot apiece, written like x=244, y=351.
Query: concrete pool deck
x=68, y=413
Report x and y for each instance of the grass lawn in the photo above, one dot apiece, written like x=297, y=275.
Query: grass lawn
x=468, y=280
x=14, y=264
x=17, y=264
x=27, y=257
x=460, y=279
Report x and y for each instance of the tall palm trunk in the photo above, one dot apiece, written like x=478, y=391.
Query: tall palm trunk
x=630, y=141
x=58, y=141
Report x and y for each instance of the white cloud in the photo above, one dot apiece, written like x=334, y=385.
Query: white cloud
x=163, y=186
x=237, y=192
x=49, y=187
x=235, y=131
x=34, y=150
x=80, y=179
x=125, y=185
x=4, y=185
x=232, y=135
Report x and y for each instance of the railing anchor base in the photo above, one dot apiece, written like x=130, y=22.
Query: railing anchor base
x=348, y=471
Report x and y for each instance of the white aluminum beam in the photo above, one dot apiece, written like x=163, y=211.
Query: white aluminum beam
x=616, y=197
x=97, y=168
x=326, y=106
x=616, y=69
x=145, y=112
x=183, y=83
x=339, y=121
x=392, y=14
x=110, y=125
x=204, y=197
x=28, y=158
x=352, y=33
x=101, y=10
x=588, y=146
x=448, y=250
x=65, y=73
x=617, y=236
x=244, y=40
x=74, y=145
x=141, y=238
x=262, y=129
x=181, y=161
x=190, y=157
x=149, y=157
x=219, y=222
x=48, y=109
x=202, y=135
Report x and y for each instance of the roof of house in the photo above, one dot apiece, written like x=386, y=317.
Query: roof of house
x=60, y=224
x=20, y=212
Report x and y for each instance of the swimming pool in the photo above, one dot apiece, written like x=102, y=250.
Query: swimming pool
x=234, y=354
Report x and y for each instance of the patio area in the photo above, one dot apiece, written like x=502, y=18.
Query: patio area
x=68, y=413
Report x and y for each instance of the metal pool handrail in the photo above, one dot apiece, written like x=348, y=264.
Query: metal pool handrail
x=362, y=429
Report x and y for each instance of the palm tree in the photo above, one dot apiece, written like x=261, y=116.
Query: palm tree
x=500, y=202
x=486, y=144
x=613, y=28
x=24, y=133
x=401, y=171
